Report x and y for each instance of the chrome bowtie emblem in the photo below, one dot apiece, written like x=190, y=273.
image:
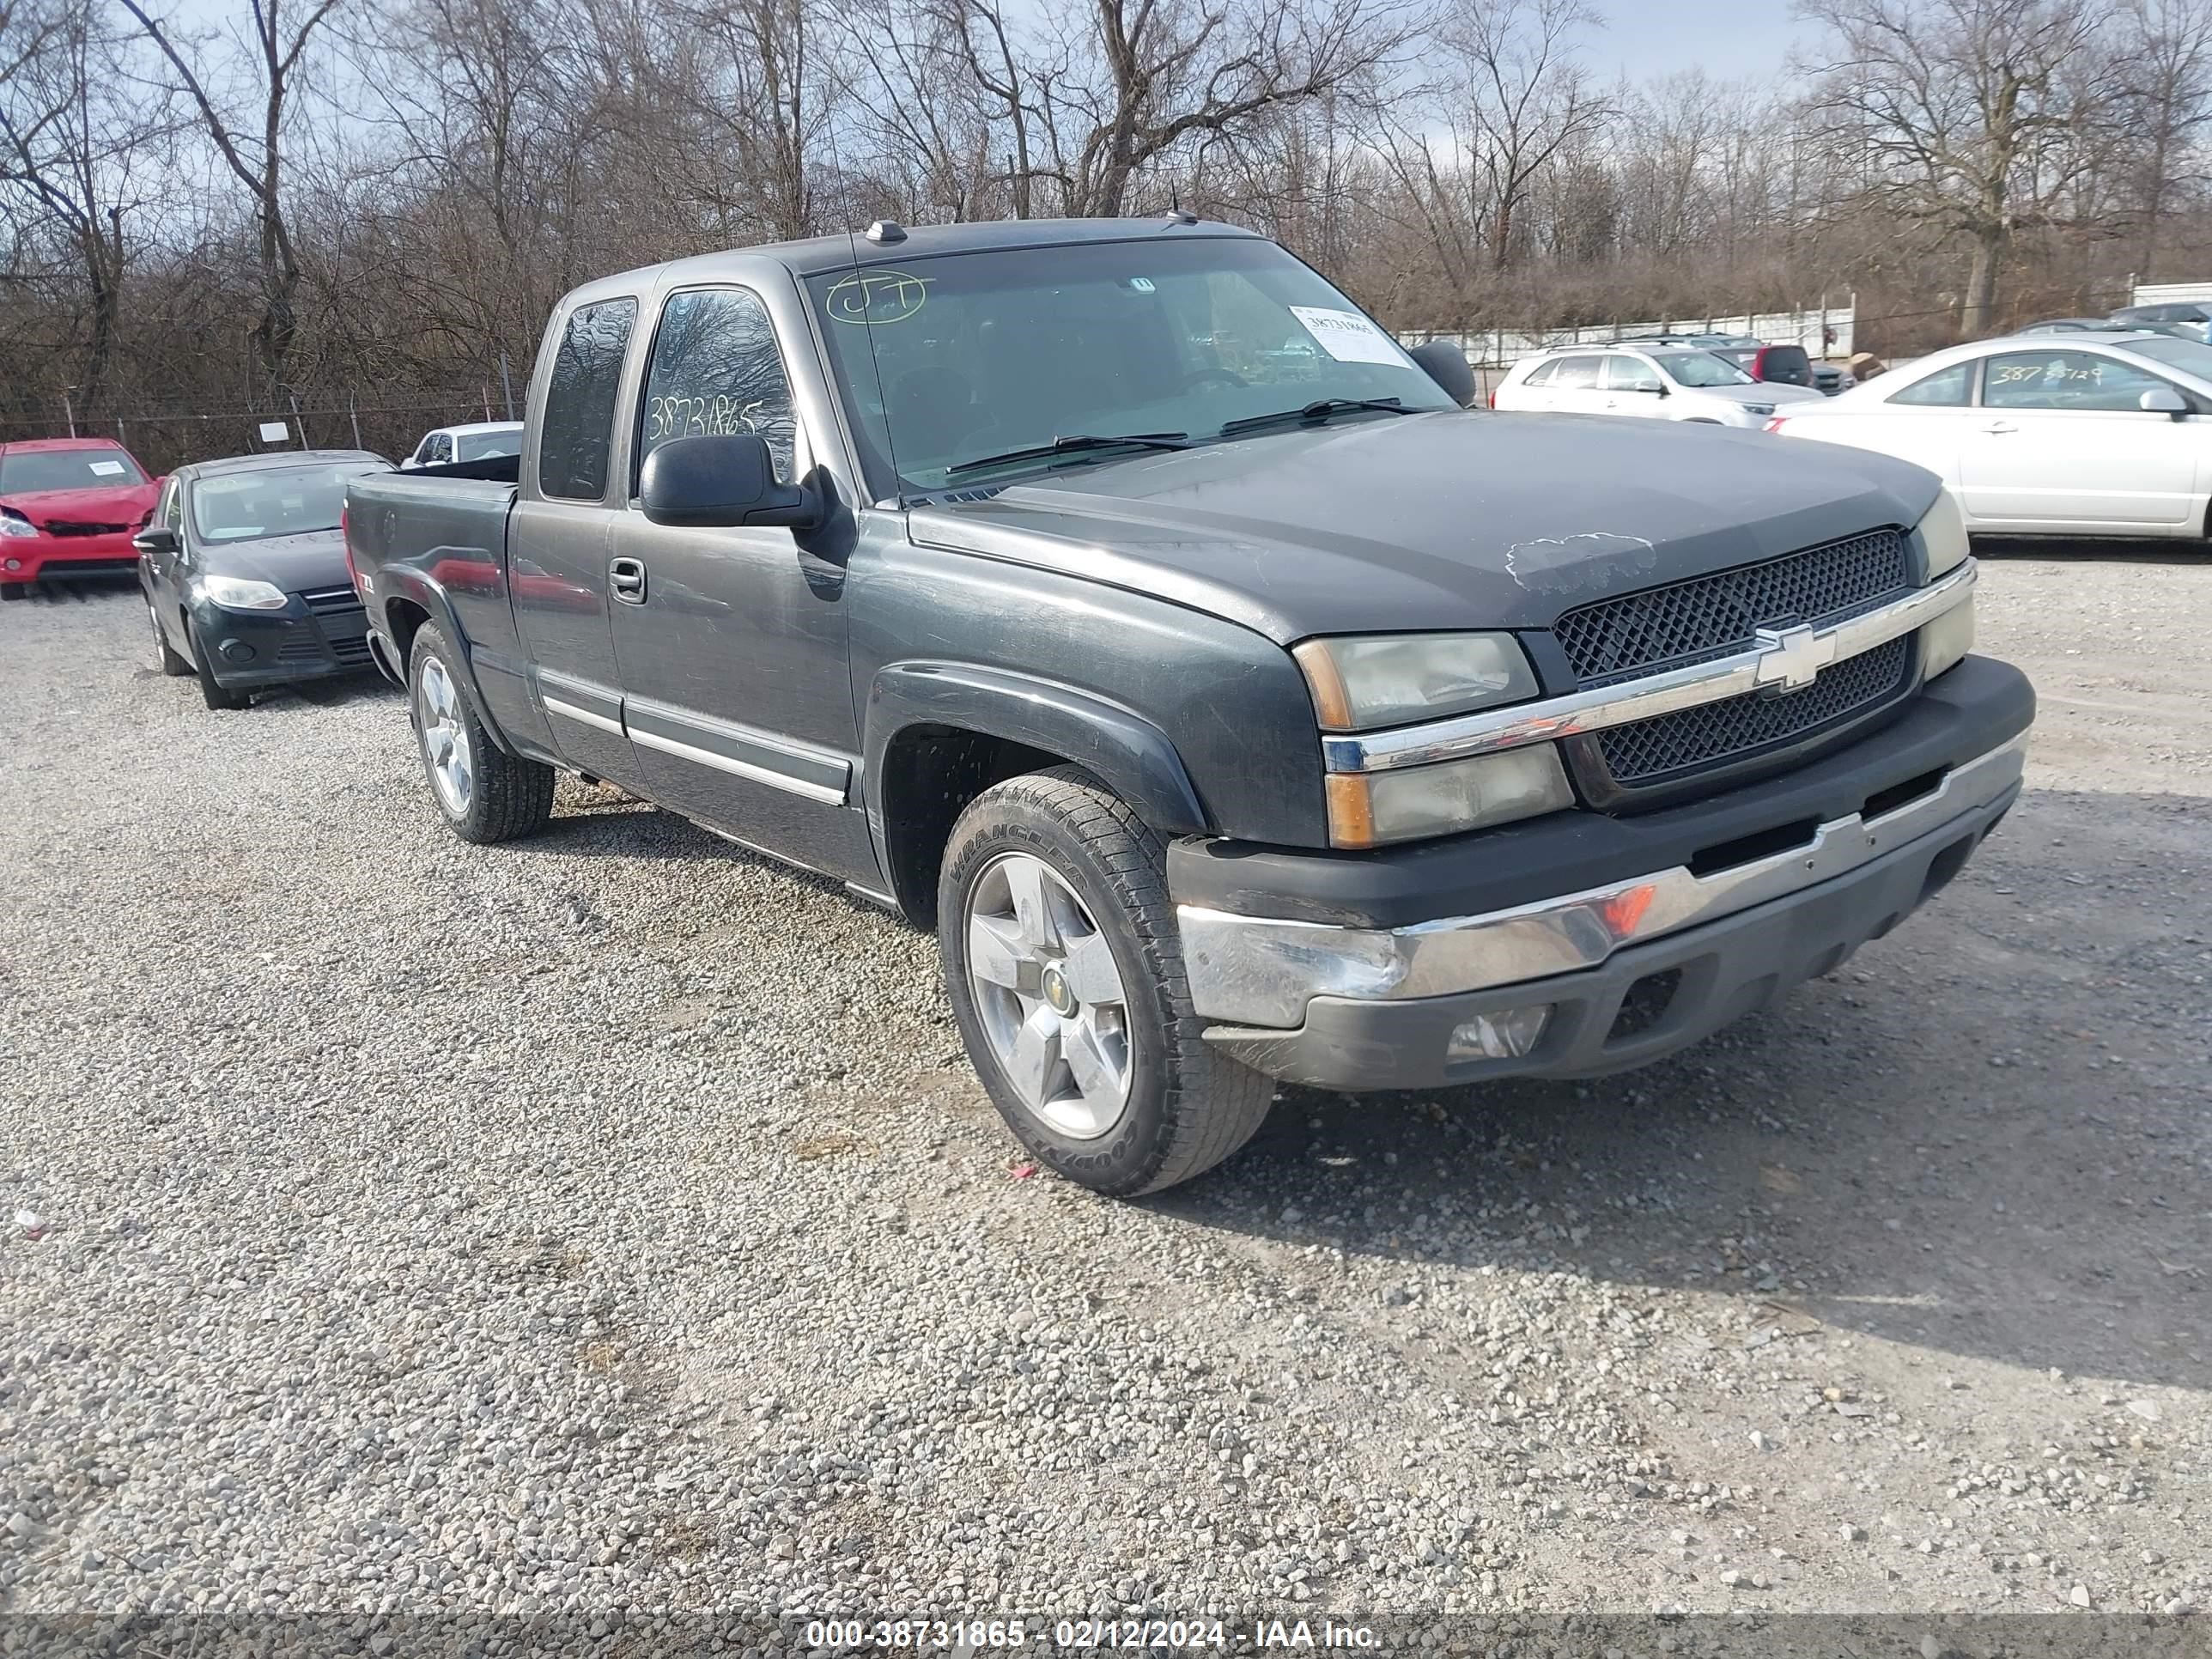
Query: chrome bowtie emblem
x=1791, y=658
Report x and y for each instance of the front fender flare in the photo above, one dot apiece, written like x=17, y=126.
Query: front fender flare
x=1127, y=752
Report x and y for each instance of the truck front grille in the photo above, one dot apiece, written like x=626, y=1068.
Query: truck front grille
x=1708, y=616
x=1648, y=752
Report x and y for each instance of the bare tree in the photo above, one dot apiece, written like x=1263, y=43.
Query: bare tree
x=272, y=65
x=2163, y=86
x=1963, y=114
x=74, y=140
x=1524, y=97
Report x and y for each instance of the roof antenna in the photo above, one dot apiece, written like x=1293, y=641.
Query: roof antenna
x=879, y=232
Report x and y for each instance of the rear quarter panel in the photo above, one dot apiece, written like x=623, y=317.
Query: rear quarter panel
x=440, y=543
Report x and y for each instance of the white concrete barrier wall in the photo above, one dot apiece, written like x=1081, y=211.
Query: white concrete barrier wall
x=1823, y=332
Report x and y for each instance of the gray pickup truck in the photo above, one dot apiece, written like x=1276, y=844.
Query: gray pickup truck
x=1118, y=598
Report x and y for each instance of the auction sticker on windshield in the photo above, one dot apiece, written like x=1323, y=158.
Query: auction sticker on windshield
x=1348, y=337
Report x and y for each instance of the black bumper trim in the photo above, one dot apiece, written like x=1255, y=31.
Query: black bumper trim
x=1978, y=706
x=1726, y=969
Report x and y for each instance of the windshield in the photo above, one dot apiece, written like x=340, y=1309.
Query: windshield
x=476, y=445
x=287, y=501
x=2191, y=357
x=1701, y=368
x=27, y=472
x=979, y=354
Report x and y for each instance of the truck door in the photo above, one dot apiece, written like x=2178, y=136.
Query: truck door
x=561, y=538
x=732, y=641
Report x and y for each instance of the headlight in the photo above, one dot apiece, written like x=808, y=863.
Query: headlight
x=15, y=523
x=1368, y=809
x=1390, y=680
x=1946, y=639
x=1759, y=409
x=239, y=593
x=1943, y=532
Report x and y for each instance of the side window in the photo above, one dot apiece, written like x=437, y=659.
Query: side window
x=1626, y=373
x=716, y=369
x=1576, y=373
x=579, y=422
x=1946, y=388
x=2064, y=379
x=173, y=505
x=442, y=450
x=1541, y=374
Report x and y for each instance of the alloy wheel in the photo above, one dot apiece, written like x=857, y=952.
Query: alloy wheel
x=1044, y=981
x=445, y=737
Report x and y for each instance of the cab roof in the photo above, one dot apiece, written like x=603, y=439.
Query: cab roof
x=843, y=251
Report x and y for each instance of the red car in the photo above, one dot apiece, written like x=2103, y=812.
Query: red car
x=69, y=508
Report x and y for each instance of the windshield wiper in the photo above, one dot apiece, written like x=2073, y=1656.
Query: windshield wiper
x=1319, y=410
x=1078, y=440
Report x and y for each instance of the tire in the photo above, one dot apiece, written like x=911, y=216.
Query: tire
x=1181, y=1107
x=483, y=793
x=175, y=666
x=15, y=590
x=212, y=692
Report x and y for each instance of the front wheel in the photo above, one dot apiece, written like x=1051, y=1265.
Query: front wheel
x=484, y=793
x=175, y=666
x=15, y=590
x=1064, y=964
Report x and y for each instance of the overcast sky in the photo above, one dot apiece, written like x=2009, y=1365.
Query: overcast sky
x=1728, y=39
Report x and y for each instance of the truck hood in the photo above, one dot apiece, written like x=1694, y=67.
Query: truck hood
x=1441, y=520
x=312, y=559
x=123, y=504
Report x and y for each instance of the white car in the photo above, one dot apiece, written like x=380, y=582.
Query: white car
x=2072, y=434
x=1666, y=383
x=476, y=441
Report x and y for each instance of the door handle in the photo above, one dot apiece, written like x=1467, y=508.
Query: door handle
x=1999, y=428
x=626, y=579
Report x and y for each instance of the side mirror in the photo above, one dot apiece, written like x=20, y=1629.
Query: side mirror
x=158, y=538
x=1446, y=364
x=2163, y=400
x=722, y=479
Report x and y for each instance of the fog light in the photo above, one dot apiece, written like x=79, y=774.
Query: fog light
x=237, y=651
x=15, y=564
x=1506, y=1036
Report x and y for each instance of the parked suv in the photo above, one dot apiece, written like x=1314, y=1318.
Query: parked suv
x=1227, y=724
x=1666, y=383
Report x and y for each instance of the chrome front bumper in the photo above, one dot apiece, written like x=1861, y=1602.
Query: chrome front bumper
x=1262, y=972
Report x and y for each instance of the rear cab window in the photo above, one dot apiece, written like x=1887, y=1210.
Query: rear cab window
x=576, y=432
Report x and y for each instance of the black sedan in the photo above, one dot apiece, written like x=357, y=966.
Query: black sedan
x=244, y=569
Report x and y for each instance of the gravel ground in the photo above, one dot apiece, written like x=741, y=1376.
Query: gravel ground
x=610, y=1220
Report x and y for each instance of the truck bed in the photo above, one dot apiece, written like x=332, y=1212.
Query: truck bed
x=452, y=528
